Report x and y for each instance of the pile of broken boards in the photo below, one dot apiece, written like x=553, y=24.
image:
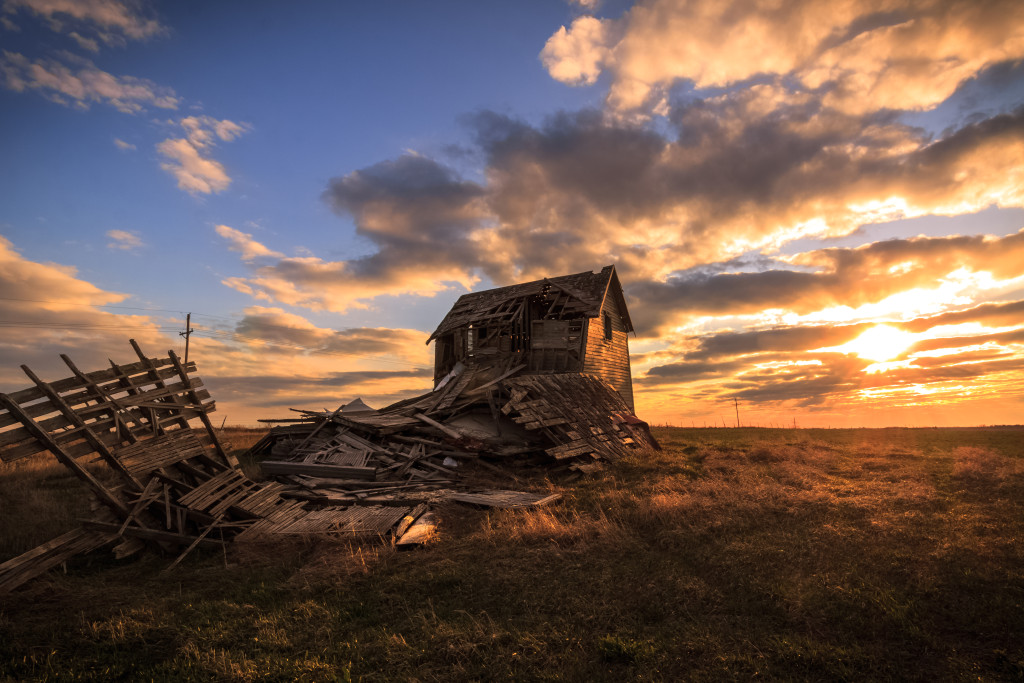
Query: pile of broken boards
x=157, y=482
x=421, y=450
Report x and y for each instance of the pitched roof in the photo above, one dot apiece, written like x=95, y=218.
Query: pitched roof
x=587, y=293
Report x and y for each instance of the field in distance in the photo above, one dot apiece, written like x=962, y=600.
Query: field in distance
x=733, y=553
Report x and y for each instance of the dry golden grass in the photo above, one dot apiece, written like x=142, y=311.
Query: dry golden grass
x=732, y=554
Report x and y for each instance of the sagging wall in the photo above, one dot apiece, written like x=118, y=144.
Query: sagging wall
x=609, y=358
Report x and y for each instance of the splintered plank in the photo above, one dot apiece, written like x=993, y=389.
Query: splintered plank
x=420, y=532
x=283, y=467
x=408, y=519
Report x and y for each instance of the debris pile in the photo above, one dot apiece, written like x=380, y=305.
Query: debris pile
x=485, y=416
x=357, y=472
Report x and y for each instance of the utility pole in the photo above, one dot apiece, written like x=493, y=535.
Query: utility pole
x=734, y=401
x=187, y=333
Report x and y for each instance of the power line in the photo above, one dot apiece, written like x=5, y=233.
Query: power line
x=209, y=333
x=81, y=303
x=80, y=326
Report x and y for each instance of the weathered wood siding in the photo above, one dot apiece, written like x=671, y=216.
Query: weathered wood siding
x=609, y=358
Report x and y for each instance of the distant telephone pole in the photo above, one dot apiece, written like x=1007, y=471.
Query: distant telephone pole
x=734, y=401
x=187, y=333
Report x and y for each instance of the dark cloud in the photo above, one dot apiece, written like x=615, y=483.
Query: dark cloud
x=276, y=326
x=786, y=339
x=674, y=373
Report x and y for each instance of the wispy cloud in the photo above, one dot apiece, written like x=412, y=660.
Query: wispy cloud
x=77, y=82
x=244, y=243
x=110, y=21
x=121, y=144
x=124, y=240
x=188, y=158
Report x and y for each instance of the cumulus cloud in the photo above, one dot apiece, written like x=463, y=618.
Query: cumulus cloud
x=187, y=157
x=584, y=189
x=77, y=82
x=868, y=54
x=576, y=55
x=742, y=175
x=124, y=239
x=110, y=21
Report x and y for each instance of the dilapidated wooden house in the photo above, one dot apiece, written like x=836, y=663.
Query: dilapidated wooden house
x=570, y=323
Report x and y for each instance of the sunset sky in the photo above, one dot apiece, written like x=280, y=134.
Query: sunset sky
x=815, y=208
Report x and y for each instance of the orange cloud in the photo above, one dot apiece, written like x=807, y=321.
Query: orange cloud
x=47, y=310
x=865, y=54
x=188, y=160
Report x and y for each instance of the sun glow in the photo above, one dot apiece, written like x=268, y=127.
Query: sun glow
x=880, y=343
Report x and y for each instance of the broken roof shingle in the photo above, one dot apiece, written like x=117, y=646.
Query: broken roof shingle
x=588, y=288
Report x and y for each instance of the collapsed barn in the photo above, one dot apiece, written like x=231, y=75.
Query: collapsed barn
x=532, y=378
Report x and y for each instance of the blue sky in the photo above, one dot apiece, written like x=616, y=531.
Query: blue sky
x=318, y=184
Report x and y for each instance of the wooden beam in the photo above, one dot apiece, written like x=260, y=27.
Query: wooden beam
x=99, y=392
x=108, y=498
x=172, y=402
x=126, y=382
x=230, y=459
x=437, y=425
x=149, y=534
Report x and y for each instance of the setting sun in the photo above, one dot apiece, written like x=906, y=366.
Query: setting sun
x=880, y=343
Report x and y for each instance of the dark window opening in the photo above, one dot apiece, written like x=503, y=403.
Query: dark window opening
x=607, y=326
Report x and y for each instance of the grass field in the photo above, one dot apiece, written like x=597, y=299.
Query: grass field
x=749, y=553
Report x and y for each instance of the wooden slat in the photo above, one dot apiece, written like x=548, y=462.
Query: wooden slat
x=283, y=467
x=67, y=460
x=93, y=439
x=27, y=566
x=150, y=534
x=99, y=376
x=230, y=459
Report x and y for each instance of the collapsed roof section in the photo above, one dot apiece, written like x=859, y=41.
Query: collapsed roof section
x=571, y=323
